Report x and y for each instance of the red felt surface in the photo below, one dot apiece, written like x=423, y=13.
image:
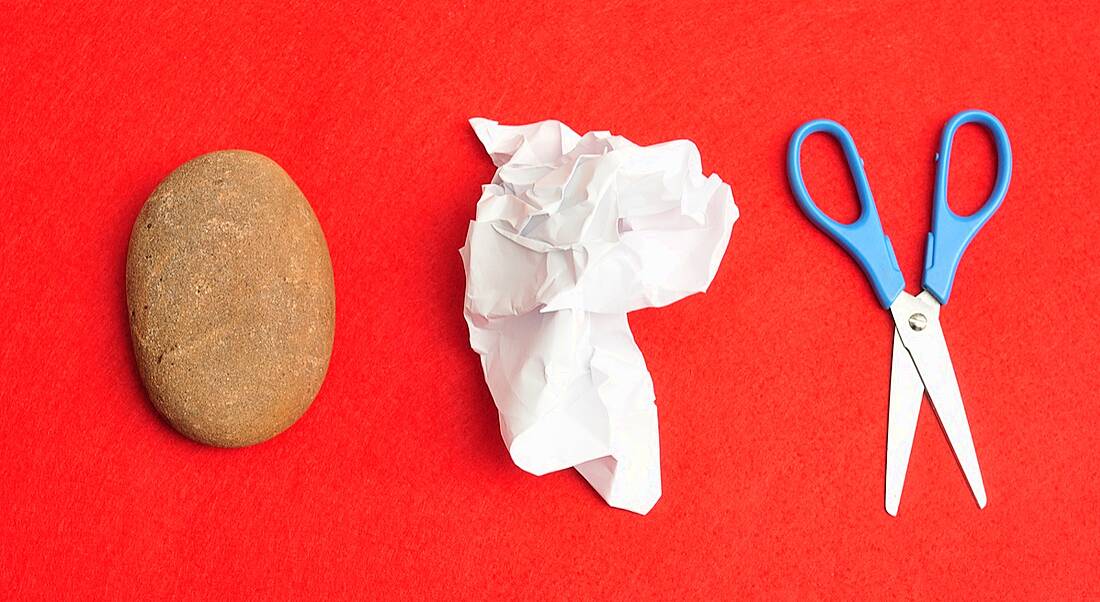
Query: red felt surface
x=772, y=388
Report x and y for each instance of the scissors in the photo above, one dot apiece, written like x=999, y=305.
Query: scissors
x=920, y=358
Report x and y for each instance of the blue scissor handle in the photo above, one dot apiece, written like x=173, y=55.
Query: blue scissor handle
x=951, y=233
x=863, y=239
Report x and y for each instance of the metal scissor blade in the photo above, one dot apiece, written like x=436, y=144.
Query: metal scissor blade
x=917, y=321
x=906, y=395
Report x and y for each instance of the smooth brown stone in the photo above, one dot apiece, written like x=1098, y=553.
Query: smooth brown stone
x=230, y=291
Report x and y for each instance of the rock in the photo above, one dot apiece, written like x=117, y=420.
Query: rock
x=230, y=290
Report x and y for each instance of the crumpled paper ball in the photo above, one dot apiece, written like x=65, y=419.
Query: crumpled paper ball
x=572, y=233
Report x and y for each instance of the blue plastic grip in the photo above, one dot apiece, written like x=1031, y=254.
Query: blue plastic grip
x=863, y=239
x=951, y=233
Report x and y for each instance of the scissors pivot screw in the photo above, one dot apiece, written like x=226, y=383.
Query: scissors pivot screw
x=918, y=322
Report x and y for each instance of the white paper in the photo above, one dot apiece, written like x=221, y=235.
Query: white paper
x=573, y=233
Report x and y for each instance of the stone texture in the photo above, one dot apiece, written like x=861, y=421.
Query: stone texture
x=230, y=291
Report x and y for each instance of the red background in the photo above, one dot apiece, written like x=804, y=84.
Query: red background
x=772, y=387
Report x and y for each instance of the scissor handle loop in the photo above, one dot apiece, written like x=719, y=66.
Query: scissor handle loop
x=951, y=233
x=863, y=239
